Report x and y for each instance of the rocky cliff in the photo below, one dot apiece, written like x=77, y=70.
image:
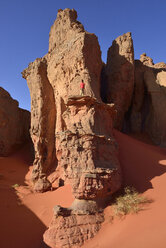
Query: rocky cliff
x=138, y=90
x=149, y=100
x=119, y=76
x=14, y=124
x=72, y=134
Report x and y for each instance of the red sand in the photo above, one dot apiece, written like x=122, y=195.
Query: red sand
x=144, y=167
x=24, y=216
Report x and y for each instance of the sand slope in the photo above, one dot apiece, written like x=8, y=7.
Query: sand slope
x=25, y=216
x=144, y=167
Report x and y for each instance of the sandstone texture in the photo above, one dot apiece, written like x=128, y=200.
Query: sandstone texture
x=43, y=114
x=64, y=124
x=119, y=76
x=14, y=124
x=137, y=88
x=88, y=141
x=72, y=134
x=149, y=100
x=69, y=228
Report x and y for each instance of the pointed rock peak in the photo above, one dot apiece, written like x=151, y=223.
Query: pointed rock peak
x=64, y=28
x=120, y=75
x=122, y=46
x=67, y=13
x=124, y=36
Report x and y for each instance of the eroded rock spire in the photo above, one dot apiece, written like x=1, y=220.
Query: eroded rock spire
x=76, y=130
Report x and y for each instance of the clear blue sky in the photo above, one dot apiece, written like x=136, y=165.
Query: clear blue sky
x=25, y=26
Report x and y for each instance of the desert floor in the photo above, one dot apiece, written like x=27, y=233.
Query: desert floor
x=24, y=215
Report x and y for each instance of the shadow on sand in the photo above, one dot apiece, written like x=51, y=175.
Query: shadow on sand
x=140, y=162
x=19, y=226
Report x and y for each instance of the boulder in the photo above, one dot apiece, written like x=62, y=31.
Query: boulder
x=147, y=61
x=14, y=124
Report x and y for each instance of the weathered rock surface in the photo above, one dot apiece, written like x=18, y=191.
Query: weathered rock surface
x=43, y=114
x=119, y=74
x=69, y=229
x=87, y=154
x=87, y=150
x=149, y=100
x=14, y=124
x=146, y=60
x=75, y=129
x=74, y=54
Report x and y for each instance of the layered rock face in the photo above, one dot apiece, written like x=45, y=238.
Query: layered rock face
x=87, y=151
x=14, y=124
x=149, y=100
x=119, y=76
x=72, y=129
x=87, y=155
x=74, y=54
x=43, y=113
x=137, y=88
x=70, y=228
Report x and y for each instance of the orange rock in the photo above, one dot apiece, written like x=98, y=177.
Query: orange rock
x=119, y=73
x=60, y=114
x=77, y=130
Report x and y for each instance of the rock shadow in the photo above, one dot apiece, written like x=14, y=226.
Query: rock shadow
x=19, y=226
x=139, y=106
x=140, y=162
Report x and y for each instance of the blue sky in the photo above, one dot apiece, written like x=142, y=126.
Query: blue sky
x=25, y=26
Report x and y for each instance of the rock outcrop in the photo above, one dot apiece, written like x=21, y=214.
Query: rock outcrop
x=14, y=124
x=43, y=113
x=88, y=141
x=71, y=228
x=119, y=76
x=149, y=99
x=87, y=155
x=137, y=88
x=76, y=131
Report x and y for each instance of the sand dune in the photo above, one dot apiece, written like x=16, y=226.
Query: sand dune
x=25, y=215
x=144, y=167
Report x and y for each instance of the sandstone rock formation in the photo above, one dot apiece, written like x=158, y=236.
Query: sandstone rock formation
x=146, y=60
x=149, y=100
x=75, y=130
x=69, y=228
x=119, y=76
x=137, y=88
x=88, y=141
x=43, y=114
x=87, y=154
x=14, y=124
